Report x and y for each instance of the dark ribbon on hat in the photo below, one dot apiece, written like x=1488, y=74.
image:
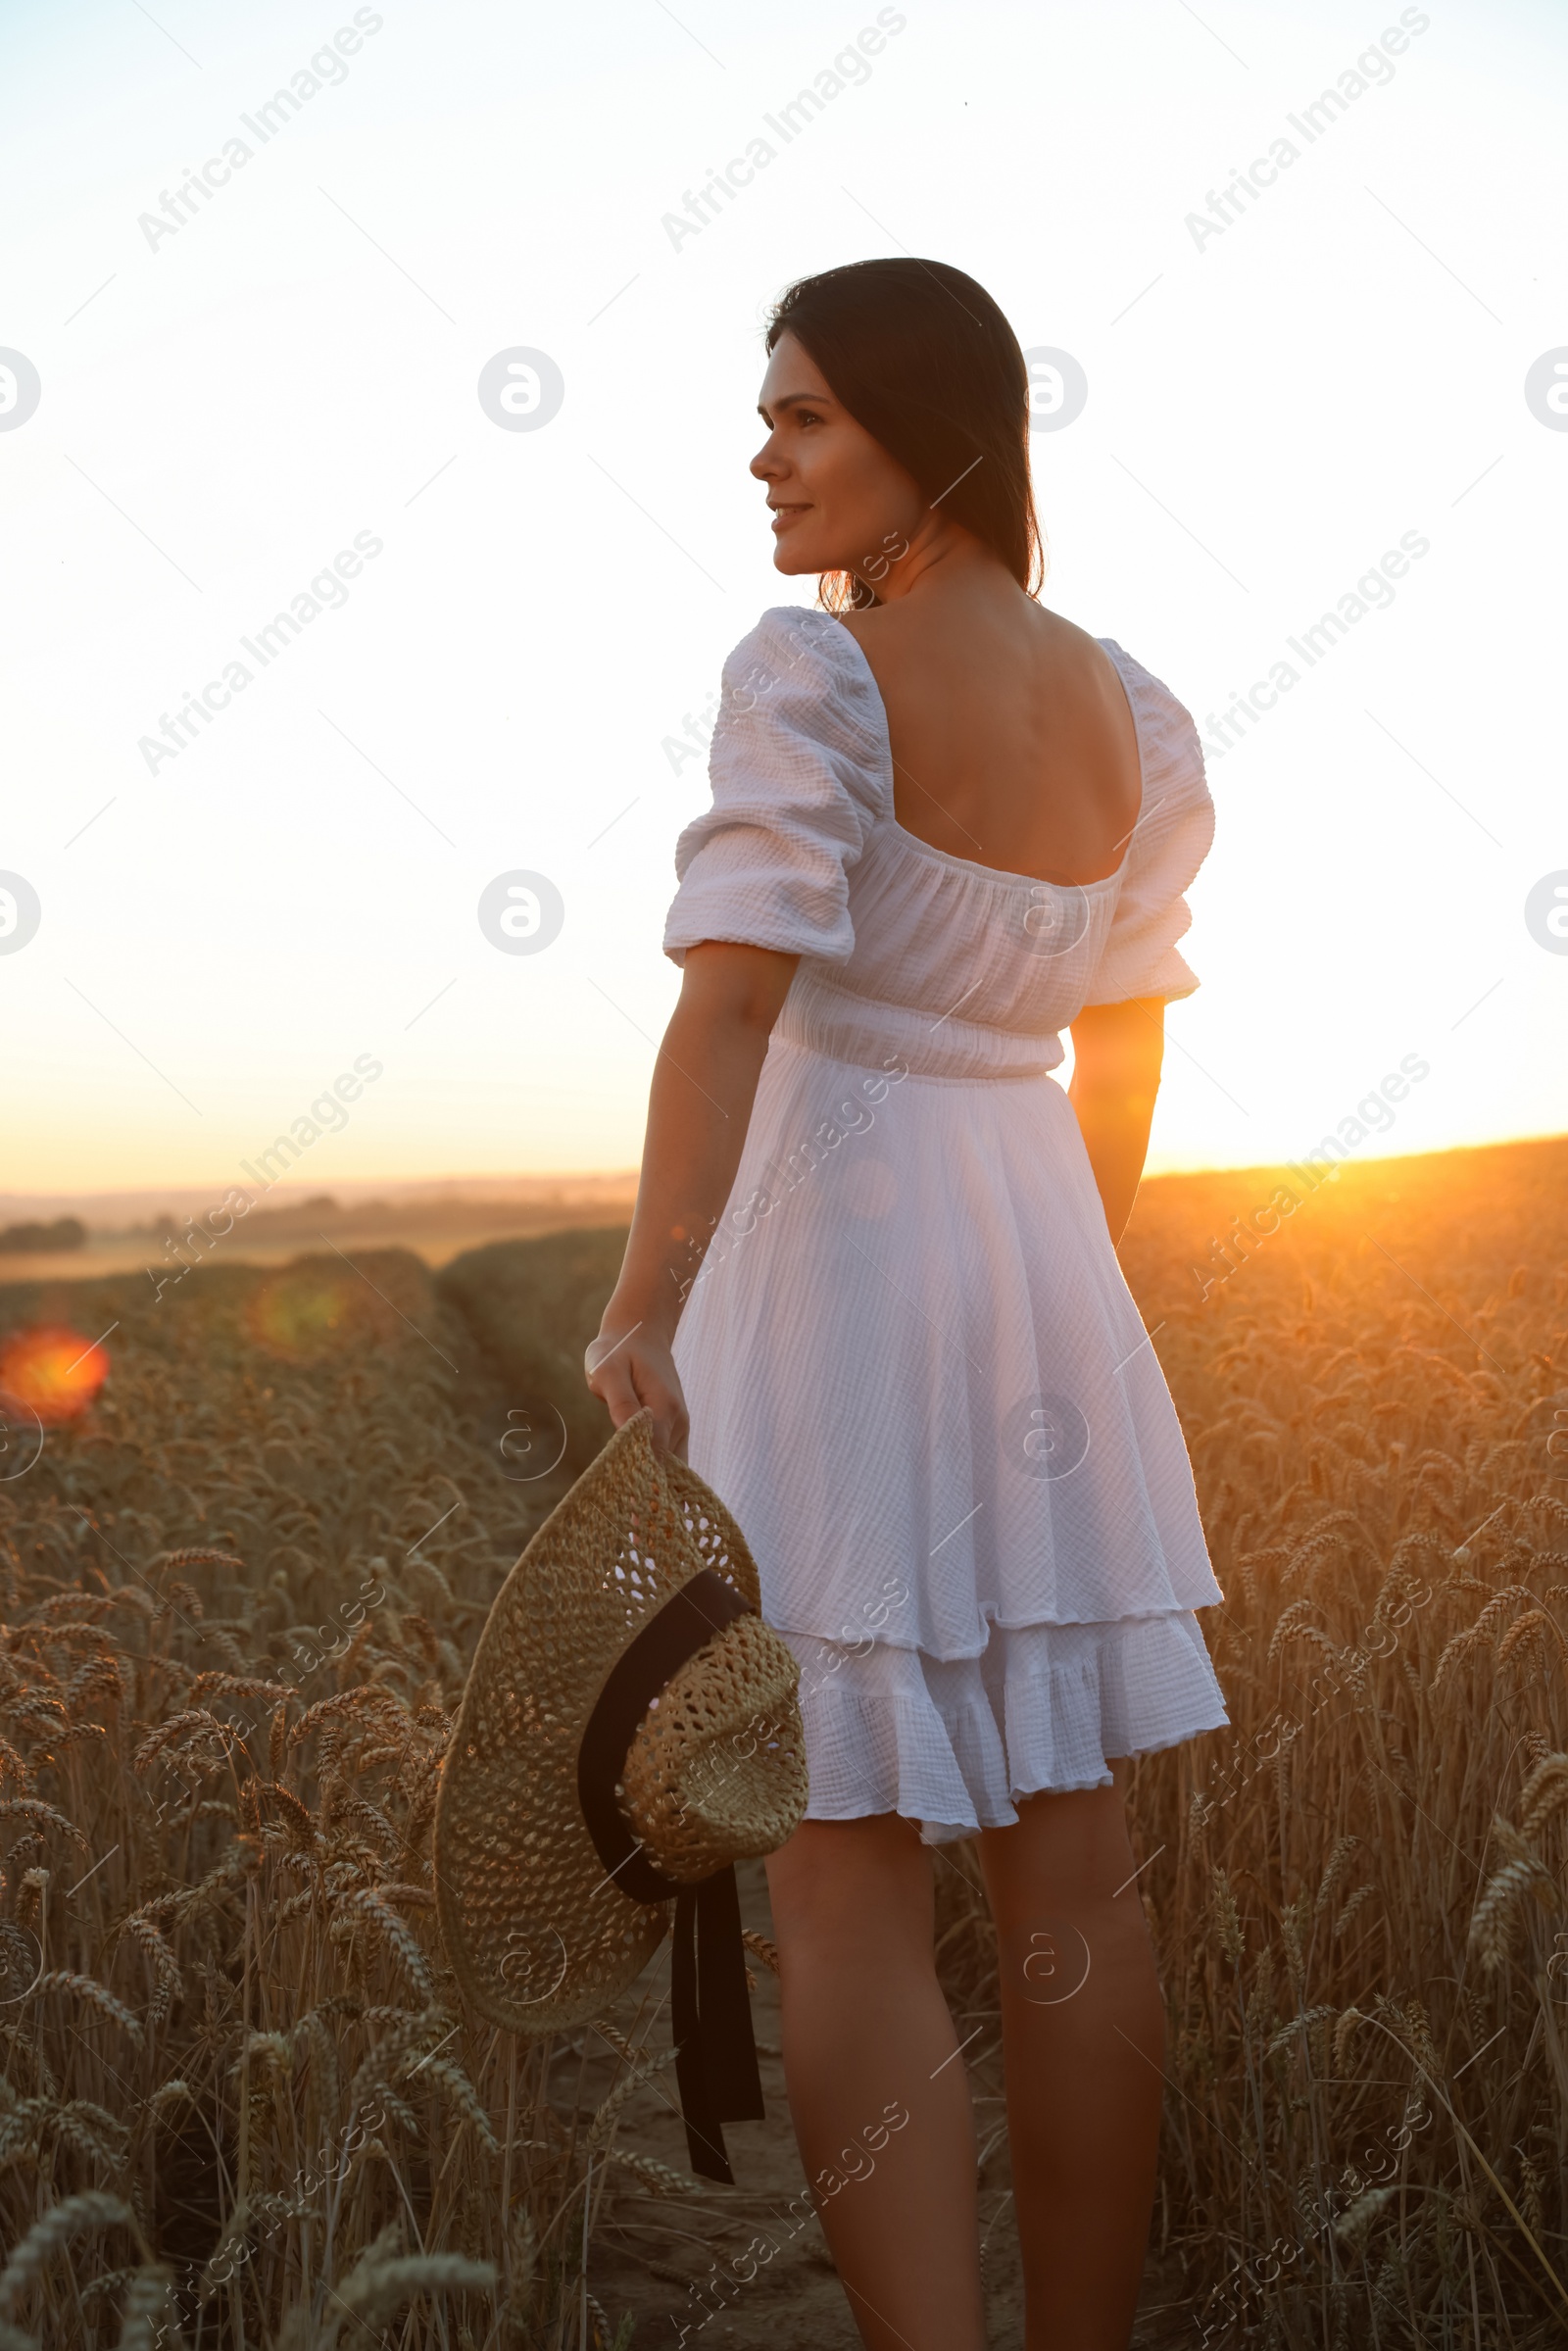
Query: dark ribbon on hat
x=715, y=2053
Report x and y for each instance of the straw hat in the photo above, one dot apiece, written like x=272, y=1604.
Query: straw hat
x=629, y=1730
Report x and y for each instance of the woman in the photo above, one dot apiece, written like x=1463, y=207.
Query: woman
x=945, y=826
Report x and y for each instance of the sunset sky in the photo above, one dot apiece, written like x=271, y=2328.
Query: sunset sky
x=1347, y=359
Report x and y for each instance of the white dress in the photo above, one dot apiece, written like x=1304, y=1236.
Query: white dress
x=914, y=1371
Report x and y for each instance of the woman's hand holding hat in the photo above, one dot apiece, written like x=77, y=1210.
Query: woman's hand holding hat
x=630, y=1728
x=630, y=1365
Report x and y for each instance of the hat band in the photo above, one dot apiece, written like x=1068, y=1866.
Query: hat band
x=716, y=2052
x=674, y=1632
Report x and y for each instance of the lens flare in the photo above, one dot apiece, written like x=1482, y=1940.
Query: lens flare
x=51, y=1371
x=303, y=1314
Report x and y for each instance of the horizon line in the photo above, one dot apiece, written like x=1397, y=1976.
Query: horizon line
x=38, y=1201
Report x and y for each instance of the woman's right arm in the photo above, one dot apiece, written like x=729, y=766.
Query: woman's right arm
x=699, y=1109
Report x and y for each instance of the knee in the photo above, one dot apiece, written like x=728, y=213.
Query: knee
x=848, y=1891
x=1050, y=1953
x=815, y=1925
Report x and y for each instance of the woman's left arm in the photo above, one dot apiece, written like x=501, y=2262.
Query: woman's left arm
x=699, y=1107
x=1117, y=1054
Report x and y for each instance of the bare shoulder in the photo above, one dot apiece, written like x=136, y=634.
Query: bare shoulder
x=890, y=627
x=1076, y=651
x=921, y=649
x=916, y=635
x=856, y=622
x=888, y=643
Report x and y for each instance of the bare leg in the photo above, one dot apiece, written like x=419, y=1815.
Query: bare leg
x=866, y=2033
x=1084, y=2036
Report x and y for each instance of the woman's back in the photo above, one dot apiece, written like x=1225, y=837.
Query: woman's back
x=1012, y=741
x=956, y=962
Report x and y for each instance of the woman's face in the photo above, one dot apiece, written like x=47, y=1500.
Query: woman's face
x=840, y=502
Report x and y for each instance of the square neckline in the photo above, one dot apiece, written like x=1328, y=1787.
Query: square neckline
x=1000, y=873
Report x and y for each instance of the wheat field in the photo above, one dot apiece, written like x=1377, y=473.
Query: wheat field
x=239, y=2103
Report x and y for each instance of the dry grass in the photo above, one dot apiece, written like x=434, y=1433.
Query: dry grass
x=238, y=2102
x=238, y=2095
x=1365, y=1884
x=1359, y=1893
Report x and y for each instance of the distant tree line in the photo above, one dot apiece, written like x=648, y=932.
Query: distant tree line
x=19, y=1240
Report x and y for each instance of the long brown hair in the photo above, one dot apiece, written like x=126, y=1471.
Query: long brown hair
x=924, y=360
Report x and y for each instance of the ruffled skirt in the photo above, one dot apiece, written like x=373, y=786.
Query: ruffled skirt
x=917, y=1378
x=955, y=1744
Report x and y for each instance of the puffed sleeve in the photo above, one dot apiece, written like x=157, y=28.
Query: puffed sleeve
x=1175, y=827
x=799, y=774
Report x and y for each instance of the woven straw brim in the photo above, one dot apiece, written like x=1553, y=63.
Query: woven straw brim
x=540, y=1940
